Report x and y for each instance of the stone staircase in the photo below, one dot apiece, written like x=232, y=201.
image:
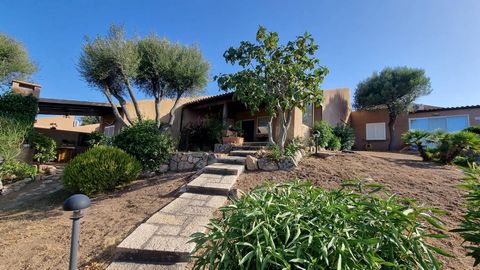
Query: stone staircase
x=162, y=241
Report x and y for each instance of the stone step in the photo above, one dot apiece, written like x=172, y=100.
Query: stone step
x=242, y=153
x=164, y=236
x=213, y=184
x=224, y=169
x=248, y=147
x=145, y=266
x=256, y=143
x=231, y=160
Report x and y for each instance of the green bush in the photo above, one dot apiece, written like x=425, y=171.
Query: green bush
x=463, y=161
x=346, y=134
x=474, y=129
x=275, y=153
x=100, y=169
x=451, y=145
x=203, y=136
x=298, y=226
x=469, y=228
x=12, y=170
x=12, y=135
x=295, y=145
x=334, y=143
x=45, y=147
x=21, y=108
x=323, y=133
x=95, y=139
x=146, y=143
x=418, y=139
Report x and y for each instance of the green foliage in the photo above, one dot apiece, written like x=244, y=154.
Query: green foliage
x=322, y=133
x=11, y=170
x=334, y=143
x=346, y=134
x=96, y=138
x=418, y=139
x=474, y=129
x=295, y=145
x=451, y=145
x=90, y=120
x=274, y=77
x=236, y=129
x=275, y=153
x=394, y=89
x=463, y=161
x=202, y=135
x=22, y=109
x=45, y=147
x=469, y=228
x=299, y=226
x=100, y=169
x=14, y=62
x=146, y=143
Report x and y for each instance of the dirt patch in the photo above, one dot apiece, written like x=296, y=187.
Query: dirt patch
x=37, y=235
x=429, y=183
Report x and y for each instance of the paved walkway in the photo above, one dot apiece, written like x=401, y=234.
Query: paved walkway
x=162, y=241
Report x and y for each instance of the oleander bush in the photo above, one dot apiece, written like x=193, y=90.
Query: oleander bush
x=147, y=143
x=99, y=169
x=470, y=226
x=299, y=226
x=346, y=134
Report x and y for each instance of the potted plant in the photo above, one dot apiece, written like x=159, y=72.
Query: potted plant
x=234, y=134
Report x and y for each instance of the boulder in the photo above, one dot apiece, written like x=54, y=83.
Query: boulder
x=173, y=165
x=251, y=163
x=163, y=168
x=266, y=164
x=287, y=163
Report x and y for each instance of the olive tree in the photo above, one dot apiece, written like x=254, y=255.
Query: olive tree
x=394, y=89
x=276, y=78
x=169, y=70
x=14, y=61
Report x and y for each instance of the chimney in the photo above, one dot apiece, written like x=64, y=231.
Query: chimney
x=26, y=88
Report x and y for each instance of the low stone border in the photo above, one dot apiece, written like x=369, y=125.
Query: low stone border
x=189, y=161
x=266, y=164
x=224, y=148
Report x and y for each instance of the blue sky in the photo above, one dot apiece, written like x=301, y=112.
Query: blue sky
x=355, y=37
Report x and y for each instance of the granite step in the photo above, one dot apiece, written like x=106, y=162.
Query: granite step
x=224, y=169
x=231, y=160
x=248, y=147
x=213, y=184
x=242, y=153
x=164, y=236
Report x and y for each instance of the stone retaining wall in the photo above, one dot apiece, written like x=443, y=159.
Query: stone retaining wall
x=224, y=148
x=266, y=164
x=189, y=161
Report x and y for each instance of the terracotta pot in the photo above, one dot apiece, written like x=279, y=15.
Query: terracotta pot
x=233, y=140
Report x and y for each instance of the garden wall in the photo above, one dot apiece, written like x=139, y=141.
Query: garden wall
x=189, y=161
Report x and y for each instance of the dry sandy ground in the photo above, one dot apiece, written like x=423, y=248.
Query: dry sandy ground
x=431, y=184
x=37, y=235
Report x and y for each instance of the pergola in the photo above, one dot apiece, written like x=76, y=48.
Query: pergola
x=73, y=107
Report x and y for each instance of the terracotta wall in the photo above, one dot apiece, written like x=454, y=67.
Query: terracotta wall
x=336, y=107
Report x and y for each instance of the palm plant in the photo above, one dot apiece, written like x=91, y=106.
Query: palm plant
x=418, y=138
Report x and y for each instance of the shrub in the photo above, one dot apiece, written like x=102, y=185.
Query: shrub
x=203, y=135
x=275, y=153
x=417, y=139
x=12, y=135
x=334, y=143
x=45, y=147
x=463, y=161
x=475, y=129
x=16, y=170
x=322, y=131
x=95, y=139
x=100, y=169
x=146, y=143
x=295, y=145
x=346, y=134
x=451, y=145
x=298, y=226
x=469, y=228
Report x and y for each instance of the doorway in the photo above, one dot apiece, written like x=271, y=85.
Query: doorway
x=248, y=127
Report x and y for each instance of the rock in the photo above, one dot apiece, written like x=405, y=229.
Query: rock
x=287, y=163
x=251, y=163
x=266, y=164
x=223, y=148
x=163, y=168
x=211, y=158
x=325, y=154
x=173, y=165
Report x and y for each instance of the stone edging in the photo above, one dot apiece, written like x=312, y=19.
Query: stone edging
x=265, y=164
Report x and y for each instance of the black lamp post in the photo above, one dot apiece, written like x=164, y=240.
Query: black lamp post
x=75, y=203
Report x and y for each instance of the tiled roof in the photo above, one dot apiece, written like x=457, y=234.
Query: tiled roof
x=448, y=108
x=210, y=98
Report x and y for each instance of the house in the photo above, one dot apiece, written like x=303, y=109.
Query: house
x=371, y=127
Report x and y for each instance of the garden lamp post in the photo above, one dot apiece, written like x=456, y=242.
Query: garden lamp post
x=316, y=135
x=75, y=203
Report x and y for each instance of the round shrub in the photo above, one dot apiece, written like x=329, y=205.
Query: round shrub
x=299, y=226
x=346, y=134
x=323, y=133
x=100, y=169
x=146, y=143
x=44, y=146
x=334, y=143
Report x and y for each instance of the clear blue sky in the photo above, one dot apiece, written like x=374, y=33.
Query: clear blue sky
x=355, y=38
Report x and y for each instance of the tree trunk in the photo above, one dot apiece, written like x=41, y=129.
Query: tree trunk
x=285, y=124
x=270, y=131
x=123, y=104
x=134, y=100
x=391, y=129
x=157, y=112
x=119, y=118
x=172, y=113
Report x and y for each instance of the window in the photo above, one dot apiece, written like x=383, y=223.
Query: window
x=109, y=131
x=262, y=125
x=445, y=123
x=376, y=131
x=307, y=118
